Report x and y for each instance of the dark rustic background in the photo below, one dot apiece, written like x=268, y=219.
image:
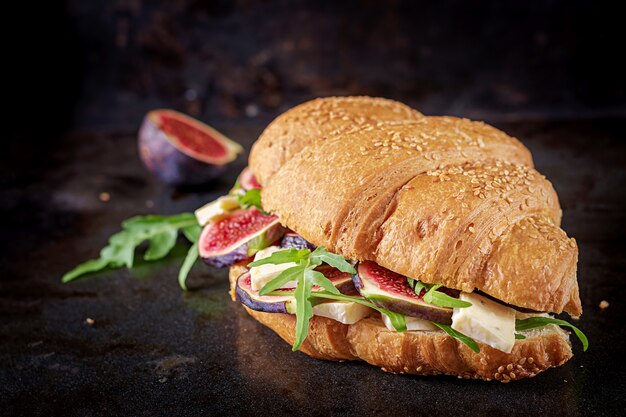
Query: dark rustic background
x=81, y=75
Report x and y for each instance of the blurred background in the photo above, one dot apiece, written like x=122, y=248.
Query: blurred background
x=103, y=64
x=81, y=76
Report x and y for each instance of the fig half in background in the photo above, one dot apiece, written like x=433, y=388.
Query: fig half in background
x=179, y=150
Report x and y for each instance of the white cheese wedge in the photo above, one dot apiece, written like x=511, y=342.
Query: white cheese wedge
x=486, y=321
x=412, y=324
x=261, y=275
x=345, y=312
x=215, y=209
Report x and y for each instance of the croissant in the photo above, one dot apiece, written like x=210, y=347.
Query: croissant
x=444, y=200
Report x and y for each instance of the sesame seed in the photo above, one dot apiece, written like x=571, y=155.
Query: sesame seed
x=500, y=369
x=509, y=367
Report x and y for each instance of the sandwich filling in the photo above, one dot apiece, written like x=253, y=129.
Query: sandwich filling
x=287, y=274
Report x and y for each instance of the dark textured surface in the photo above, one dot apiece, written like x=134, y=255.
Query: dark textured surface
x=548, y=72
x=154, y=350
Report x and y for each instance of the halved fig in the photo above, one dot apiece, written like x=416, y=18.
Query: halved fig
x=389, y=290
x=286, y=303
x=247, y=180
x=293, y=240
x=238, y=236
x=180, y=150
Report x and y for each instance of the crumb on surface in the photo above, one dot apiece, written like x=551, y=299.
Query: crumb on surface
x=104, y=197
x=89, y=321
x=604, y=304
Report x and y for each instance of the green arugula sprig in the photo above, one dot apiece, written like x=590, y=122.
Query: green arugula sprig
x=434, y=297
x=306, y=277
x=539, y=321
x=471, y=343
x=160, y=232
x=251, y=198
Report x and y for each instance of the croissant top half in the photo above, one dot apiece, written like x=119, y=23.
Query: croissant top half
x=440, y=199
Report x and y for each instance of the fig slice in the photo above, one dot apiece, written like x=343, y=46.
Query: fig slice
x=238, y=236
x=267, y=303
x=247, y=180
x=390, y=290
x=180, y=150
x=286, y=303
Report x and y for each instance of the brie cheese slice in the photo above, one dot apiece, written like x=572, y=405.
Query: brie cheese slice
x=261, y=275
x=486, y=321
x=215, y=209
x=412, y=324
x=345, y=312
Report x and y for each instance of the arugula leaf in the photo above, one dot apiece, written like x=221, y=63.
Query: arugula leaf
x=192, y=233
x=438, y=298
x=290, y=274
x=251, y=198
x=320, y=254
x=92, y=265
x=534, y=322
x=161, y=244
x=458, y=335
x=177, y=220
x=419, y=286
x=432, y=296
x=397, y=320
x=283, y=257
x=160, y=231
x=519, y=336
x=304, y=309
x=319, y=279
x=190, y=259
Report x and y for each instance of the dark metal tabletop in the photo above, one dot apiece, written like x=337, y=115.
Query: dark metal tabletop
x=155, y=350
x=540, y=73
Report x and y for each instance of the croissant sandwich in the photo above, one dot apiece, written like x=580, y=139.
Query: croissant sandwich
x=362, y=229
x=425, y=245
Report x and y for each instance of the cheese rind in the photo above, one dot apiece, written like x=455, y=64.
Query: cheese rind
x=345, y=312
x=215, y=209
x=412, y=324
x=486, y=321
x=261, y=275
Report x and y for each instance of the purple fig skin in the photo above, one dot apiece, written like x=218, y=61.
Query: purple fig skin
x=228, y=259
x=168, y=164
x=247, y=298
x=346, y=287
x=294, y=240
x=278, y=304
x=416, y=308
x=356, y=279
